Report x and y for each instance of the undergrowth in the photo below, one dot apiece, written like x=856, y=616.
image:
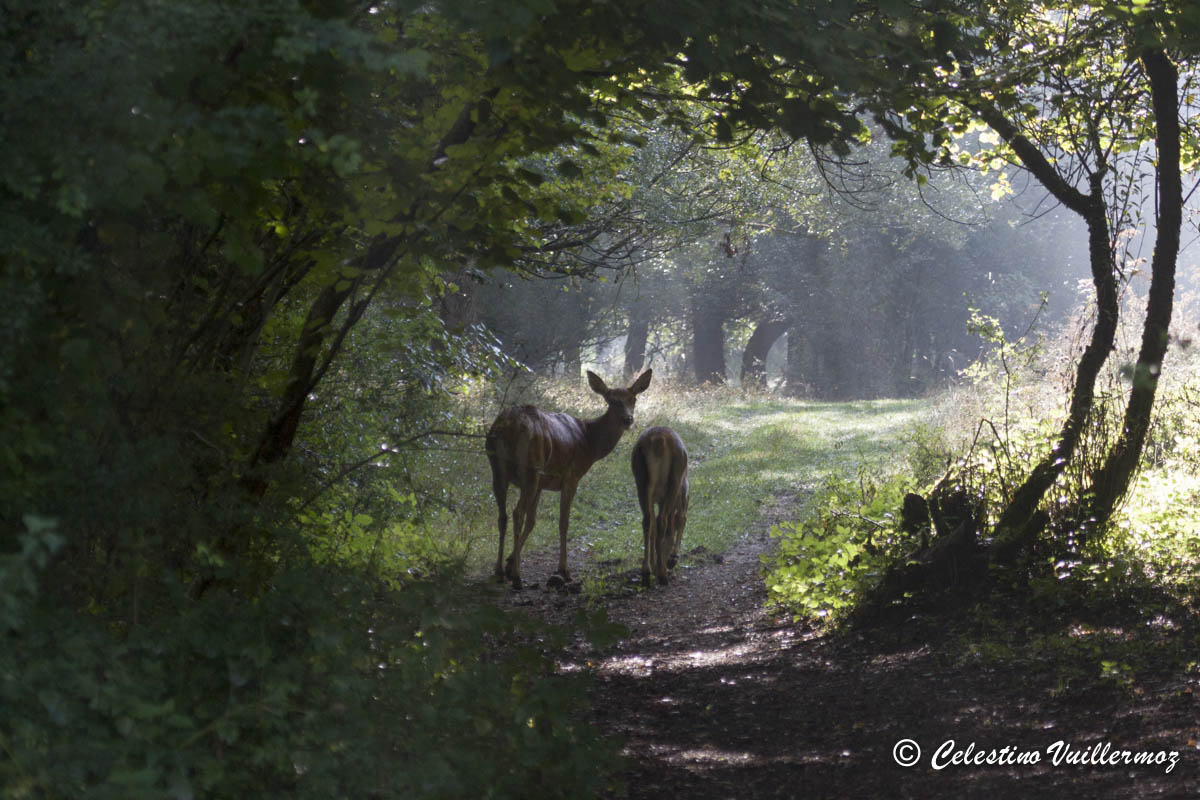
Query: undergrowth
x=329, y=684
x=825, y=563
x=1100, y=612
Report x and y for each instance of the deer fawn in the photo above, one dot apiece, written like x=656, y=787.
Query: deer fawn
x=660, y=471
x=538, y=450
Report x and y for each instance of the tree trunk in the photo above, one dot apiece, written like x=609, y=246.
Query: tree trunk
x=456, y=306
x=842, y=360
x=635, y=341
x=1111, y=482
x=572, y=357
x=303, y=375
x=902, y=316
x=281, y=430
x=793, y=370
x=708, y=343
x=754, y=357
x=1019, y=523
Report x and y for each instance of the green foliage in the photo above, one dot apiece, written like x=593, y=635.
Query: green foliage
x=929, y=452
x=989, y=433
x=993, y=430
x=394, y=400
x=997, y=425
x=825, y=564
x=1155, y=528
x=21, y=571
x=329, y=685
x=1004, y=359
x=203, y=263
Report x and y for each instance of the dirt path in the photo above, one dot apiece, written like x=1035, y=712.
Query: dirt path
x=715, y=698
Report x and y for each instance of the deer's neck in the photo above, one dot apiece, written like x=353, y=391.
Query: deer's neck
x=603, y=433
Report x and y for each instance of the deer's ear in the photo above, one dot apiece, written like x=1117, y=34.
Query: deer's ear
x=596, y=383
x=642, y=382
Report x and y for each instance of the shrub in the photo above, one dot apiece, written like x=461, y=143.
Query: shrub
x=826, y=563
x=327, y=684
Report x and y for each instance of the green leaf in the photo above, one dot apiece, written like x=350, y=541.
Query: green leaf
x=569, y=168
x=724, y=130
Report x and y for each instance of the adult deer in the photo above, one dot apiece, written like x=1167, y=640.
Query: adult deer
x=660, y=471
x=544, y=450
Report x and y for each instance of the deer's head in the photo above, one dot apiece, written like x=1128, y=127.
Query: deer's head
x=621, y=402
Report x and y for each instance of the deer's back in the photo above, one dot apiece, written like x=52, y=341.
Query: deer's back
x=663, y=458
x=524, y=439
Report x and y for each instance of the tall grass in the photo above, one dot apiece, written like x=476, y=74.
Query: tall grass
x=989, y=431
x=1000, y=421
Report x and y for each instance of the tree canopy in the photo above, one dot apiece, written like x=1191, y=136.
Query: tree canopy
x=235, y=239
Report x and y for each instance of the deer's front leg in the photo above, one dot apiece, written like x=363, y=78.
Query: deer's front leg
x=564, y=521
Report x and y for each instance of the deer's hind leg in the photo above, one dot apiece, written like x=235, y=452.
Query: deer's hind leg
x=500, y=489
x=524, y=517
x=662, y=544
x=650, y=529
x=641, y=479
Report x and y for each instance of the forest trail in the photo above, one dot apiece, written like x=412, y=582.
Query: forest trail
x=714, y=697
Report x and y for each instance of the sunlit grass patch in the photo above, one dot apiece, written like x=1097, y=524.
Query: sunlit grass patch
x=744, y=451
x=1160, y=526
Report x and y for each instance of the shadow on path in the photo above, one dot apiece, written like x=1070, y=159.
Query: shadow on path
x=715, y=698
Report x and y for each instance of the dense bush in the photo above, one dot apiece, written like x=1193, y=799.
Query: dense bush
x=326, y=684
x=987, y=434
x=213, y=581
x=825, y=564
